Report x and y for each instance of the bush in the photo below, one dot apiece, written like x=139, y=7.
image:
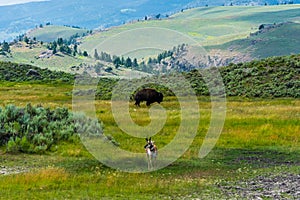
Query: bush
x=34, y=129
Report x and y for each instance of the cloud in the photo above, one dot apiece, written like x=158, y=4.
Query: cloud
x=12, y=2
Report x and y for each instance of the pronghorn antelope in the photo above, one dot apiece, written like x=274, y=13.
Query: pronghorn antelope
x=151, y=151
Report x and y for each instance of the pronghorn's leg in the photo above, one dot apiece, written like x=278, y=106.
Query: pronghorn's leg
x=150, y=164
x=154, y=159
x=149, y=158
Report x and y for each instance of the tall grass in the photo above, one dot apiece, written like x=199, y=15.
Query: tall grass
x=266, y=130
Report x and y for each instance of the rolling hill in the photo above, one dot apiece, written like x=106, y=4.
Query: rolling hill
x=88, y=14
x=92, y=14
x=51, y=33
x=271, y=40
x=206, y=26
x=227, y=34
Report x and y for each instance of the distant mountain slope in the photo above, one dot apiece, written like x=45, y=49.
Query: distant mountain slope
x=90, y=14
x=206, y=26
x=271, y=40
x=223, y=31
x=51, y=33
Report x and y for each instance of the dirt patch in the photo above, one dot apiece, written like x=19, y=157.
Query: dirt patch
x=284, y=186
x=11, y=170
x=266, y=159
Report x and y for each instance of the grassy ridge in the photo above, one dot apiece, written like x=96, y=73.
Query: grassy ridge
x=207, y=26
x=282, y=39
x=52, y=33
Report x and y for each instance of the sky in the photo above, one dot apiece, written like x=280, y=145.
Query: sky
x=12, y=2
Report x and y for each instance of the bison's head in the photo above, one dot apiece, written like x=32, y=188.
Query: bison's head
x=160, y=97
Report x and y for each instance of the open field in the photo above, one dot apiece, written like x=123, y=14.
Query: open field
x=260, y=140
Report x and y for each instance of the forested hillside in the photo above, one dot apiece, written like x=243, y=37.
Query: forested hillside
x=270, y=77
x=14, y=72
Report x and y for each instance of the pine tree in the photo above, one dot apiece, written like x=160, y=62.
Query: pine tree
x=122, y=61
x=54, y=51
x=128, y=63
x=117, y=62
x=85, y=53
x=60, y=41
x=96, y=55
x=26, y=40
x=5, y=47
x=135, y=64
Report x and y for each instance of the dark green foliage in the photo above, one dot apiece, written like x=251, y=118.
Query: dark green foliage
x=105, y=57
x=96, y=55
x=128, y=62
x=117, y=61
x=268, y=78
x=85, y=53
x=271, y=77
x=105, y=88
x=18, y=73
x=35, y=129
x=63, y=46
x=5, y=47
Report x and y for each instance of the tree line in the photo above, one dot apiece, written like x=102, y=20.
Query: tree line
x=132, y=63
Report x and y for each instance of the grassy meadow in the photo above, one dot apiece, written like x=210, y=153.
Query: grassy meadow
x=260, y=137
x=51, y=33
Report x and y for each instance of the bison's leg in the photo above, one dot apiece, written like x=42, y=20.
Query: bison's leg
x=137, y=103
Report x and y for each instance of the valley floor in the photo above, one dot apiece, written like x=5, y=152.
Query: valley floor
x=257, y=155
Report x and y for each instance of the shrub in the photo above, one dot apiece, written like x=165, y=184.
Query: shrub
x=34, y=129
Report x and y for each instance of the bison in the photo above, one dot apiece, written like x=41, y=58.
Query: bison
x=148, y=95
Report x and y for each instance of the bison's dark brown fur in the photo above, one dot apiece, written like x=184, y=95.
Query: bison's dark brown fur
x=148, y=95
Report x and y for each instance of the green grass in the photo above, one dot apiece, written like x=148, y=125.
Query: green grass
x=51, y=33
x=283, y=40
x=58, y=62
x=212, y=26
x=260, y=136
x=207, y=26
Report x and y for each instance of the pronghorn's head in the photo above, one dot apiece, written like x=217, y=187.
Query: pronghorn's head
x=150, y=144
x=148, y=140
